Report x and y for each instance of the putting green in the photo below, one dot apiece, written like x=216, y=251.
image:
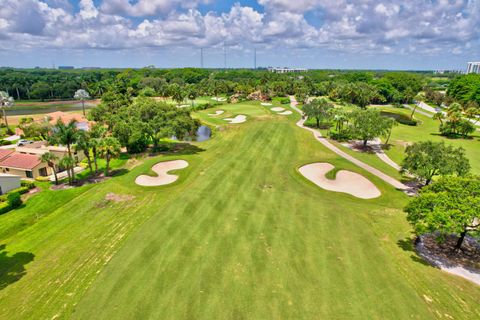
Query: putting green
x=240, y=235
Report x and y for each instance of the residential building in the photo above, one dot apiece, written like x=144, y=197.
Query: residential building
x=66, y=67
x=473, y=67
x=9, y=182
x=25, y=166
x=81, y=122
x=25, y=161
x=286, y=70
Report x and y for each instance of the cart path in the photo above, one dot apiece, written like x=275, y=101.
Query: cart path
x=388, y=179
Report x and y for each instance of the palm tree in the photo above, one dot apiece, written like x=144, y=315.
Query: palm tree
x=5, y=102
x=81, y=95
x=192, y=94
x=84, y=144
x=109, y=148
x=67, y=135
x=178, y=94
x=97, y=132
x=68, y=162
x=439, y=116
x=389, y=123
x=50, y=159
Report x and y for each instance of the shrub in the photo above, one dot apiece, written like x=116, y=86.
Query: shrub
x=14, y=200
x=42, y=179
x=340, y=136
x=28, y=184
x=284, y=100
x=400, y=118
x=20, y=190
x=5, y=207
x=457, y=128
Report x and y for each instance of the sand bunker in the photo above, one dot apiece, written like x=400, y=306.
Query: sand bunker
x=217, y=113
x=219, y=99
x=277, y=109
x=345, y=181
x=286, y=113
x=238, y=119
x=162, y=169
x=266, y=104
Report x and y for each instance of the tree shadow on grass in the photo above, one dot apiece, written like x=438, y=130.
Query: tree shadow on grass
x=181, y=148
x=408, y=245
x=12, y=267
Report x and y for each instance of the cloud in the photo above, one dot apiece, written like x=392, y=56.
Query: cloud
x=143, y=8
x=352, y=26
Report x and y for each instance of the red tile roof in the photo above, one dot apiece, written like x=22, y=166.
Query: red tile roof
x=65, y=117
x=21, y=161
x=5, y=152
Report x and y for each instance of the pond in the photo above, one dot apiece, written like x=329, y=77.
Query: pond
x=203, y=134
x=26, y=110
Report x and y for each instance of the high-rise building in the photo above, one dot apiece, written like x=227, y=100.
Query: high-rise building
x=473, y=67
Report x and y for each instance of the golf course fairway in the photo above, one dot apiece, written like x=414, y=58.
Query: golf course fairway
x=240, y=235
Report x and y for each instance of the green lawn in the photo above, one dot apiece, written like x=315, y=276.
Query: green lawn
x=241, y=235
x=427, y=129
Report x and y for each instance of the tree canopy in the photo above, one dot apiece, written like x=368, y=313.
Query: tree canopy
x=428, y=159
x=450, y=205
x=368, y=124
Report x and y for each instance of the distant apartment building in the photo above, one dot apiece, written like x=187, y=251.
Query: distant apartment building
x=473, y=67
x=286, y=70
x=66, y=67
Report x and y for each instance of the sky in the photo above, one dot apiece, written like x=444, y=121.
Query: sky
x=322, y=34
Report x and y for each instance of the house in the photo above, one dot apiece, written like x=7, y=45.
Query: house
x=81, y=122
x=24, y=165
x=9, y=182
x=25, y=161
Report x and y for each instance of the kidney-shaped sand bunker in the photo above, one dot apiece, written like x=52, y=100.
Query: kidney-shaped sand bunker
x=345, y=181
x=162, y=178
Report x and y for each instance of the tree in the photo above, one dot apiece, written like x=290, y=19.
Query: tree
x=109, y=148
x=84, y=143
x=319, y=109
x=368, y=124
x=50, y=159
x=96, y=134
x=192, y=94
x=82, y=95
x=177, y=92
x=67, y=135
x=389, y=123
x=6, y=102
x=68, y=162
x=428, y=159
x=450, y=205
x=455, y=123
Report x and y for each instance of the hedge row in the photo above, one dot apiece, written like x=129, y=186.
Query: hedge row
x=13, y=199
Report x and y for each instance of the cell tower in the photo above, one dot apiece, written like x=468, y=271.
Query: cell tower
x=255, y=58
x=201, y=58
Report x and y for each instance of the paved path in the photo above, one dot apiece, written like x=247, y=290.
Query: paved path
x=377, y=148
x=392, y=181
x=428, y=108
x=419, y=111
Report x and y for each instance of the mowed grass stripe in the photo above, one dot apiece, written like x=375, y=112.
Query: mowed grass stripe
x=227, y=268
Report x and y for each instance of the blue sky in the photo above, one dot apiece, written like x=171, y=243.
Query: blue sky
x=351, y=34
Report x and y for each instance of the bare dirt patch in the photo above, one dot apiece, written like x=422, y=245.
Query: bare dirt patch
x=118, y=197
